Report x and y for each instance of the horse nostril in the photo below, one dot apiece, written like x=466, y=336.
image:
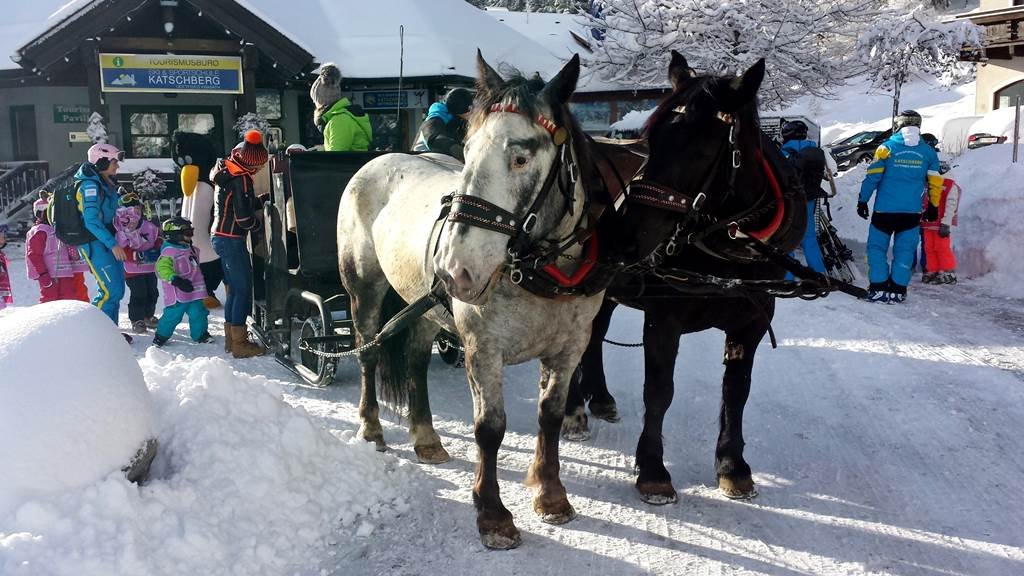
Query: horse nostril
x=462, y=279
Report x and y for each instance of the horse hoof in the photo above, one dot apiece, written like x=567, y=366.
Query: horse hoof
x=435, y=454
x=559, y=513
x=575, y=428
x=505, y=538
x=608, y=412
x=657, y=493
x=737, y=489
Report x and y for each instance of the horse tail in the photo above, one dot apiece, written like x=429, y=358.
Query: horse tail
x=393, y=375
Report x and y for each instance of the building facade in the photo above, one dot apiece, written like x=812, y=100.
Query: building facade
x=1001, y=76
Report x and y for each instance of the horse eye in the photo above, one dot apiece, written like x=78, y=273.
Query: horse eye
x=519, y=161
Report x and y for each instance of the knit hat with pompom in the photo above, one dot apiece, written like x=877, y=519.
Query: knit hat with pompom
x=251, y=154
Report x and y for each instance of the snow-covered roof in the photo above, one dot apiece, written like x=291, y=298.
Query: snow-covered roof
x=25, y=21
x=441, y=36
x=558, y=34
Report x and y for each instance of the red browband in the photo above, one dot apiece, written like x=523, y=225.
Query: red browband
x=549, y=126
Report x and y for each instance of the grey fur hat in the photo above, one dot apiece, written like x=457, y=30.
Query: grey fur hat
x=326, y=88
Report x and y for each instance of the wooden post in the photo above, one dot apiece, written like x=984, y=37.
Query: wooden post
x=250, y=61
x=91, y=61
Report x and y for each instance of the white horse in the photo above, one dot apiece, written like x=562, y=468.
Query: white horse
x=515, y=195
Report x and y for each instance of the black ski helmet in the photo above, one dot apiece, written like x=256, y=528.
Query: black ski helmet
x=907, y=118
x=175, y=230
x=794, y=130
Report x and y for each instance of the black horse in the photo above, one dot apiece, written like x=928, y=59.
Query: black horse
x=729, y=190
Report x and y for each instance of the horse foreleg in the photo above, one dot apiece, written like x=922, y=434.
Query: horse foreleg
x=550, y=500
x=734, y=477
x=426, y=443
x=365, y=307
x=602, y=403
x=493, y=520
x=661, y=343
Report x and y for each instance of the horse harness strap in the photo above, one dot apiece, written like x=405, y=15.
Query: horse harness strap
x=530, y=268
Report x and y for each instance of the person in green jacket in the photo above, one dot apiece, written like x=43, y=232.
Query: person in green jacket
x=346, y=126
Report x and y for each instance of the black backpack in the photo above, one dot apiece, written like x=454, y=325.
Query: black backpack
x=810, y=166
x=67, y=221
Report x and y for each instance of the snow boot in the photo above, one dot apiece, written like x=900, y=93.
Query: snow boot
x=205, y=338
x=929, y=277
x=159, y=341
x=139, y=327
x=880, y=296
x=241, y=347
x=227, y=337
x=947, y=278
x=212, y=303
x=151, y=322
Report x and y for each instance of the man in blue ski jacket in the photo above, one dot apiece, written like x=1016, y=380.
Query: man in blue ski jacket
x=444, y=129
x=97, y=200
x=904, y=166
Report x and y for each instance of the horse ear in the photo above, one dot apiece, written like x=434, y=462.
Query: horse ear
x=746, y=86
x=558, y=90
x=487, y=79
x=679, y=70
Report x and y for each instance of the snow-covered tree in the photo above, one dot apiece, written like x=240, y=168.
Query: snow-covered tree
x=804, y=42
x=96, y=130
x=251, y=121
x=148, y=185
x=899, y=45
x=568, y=6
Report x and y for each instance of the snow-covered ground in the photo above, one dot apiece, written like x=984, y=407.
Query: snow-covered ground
x=884, y=439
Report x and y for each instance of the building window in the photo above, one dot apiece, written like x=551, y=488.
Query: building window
x=268, y=104
x=593, y=117
x=1007, y=96
x=148, y=129
x=23, y=132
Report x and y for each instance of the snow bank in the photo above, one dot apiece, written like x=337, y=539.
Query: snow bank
x=991, y=212
x=73, y=403
x=243, y=484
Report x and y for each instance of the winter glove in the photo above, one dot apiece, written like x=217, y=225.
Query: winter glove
x=943, y=230
x=931, y=213
x=862, y=210
x=182, y=284
x=151, y=255
x=45, y=280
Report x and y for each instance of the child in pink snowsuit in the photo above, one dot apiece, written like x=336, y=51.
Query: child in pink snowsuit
x=58, y=267
x=140, y=239
x=6, y=297
x=939, y=260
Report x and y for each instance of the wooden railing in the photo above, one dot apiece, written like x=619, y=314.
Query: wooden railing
x=20, y=178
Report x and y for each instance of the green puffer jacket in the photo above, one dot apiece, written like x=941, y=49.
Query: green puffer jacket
x=346, y=128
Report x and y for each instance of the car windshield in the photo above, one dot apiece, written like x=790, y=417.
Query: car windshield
x=859, y=138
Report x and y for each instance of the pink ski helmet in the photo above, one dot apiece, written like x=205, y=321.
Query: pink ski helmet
x=108, y=152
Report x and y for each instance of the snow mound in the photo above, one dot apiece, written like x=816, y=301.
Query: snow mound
x=73, y=403
x=991, y=211
x=243, y=484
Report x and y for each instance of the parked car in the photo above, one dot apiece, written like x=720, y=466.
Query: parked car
x=983, y=139
x=858, y=148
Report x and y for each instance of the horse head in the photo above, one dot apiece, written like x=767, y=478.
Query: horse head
x=706, y=168
x=508, y=198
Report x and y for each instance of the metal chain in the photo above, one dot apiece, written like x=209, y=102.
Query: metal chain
x=320, y=353
x=623, y=344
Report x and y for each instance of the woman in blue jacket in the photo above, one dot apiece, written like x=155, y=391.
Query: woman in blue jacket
x=97, y=201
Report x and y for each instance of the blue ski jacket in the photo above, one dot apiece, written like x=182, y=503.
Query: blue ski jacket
x=97, y=201
x=899, y=175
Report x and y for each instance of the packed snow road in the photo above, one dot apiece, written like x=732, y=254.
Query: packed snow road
x=884, y=439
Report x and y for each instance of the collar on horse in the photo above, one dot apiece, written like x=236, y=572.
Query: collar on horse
x=690, y=205
x=532, y=263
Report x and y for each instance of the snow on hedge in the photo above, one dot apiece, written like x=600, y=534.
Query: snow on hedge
x=243, y=484
x=73, y=403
